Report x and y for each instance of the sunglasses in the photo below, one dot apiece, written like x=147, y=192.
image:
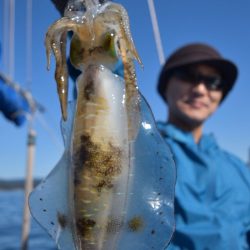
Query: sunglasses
x=212, y=82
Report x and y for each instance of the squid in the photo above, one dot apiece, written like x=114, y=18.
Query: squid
x=113, y=187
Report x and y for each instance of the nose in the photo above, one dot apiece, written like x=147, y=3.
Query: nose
x=200, y=88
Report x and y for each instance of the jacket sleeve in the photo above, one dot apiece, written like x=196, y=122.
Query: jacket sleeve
x=12, y=104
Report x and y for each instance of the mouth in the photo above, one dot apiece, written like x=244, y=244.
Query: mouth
x=197, y=104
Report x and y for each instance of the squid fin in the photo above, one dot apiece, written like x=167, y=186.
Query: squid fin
x=49, y=202
x=49, y=205
x=150, y=211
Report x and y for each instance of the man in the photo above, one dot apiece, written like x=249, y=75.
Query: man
x=212, y=199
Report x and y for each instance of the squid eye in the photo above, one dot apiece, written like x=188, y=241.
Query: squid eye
x=76, y=52
x=109, y=43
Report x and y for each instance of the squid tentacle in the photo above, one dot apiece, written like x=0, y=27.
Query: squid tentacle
x=128, y=53
x=56, y=38
x=123, y=20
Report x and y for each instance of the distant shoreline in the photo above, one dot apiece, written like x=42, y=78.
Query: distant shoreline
x=15, y=184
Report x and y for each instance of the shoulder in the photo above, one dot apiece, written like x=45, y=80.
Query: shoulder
x=236, y=160
x=239, y=166
x=224, y=154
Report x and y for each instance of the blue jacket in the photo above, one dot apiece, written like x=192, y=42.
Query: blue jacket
x=212, y=199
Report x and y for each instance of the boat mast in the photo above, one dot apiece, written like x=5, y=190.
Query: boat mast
x=31, y=140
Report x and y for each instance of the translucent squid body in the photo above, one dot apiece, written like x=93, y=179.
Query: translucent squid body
x=114, y=185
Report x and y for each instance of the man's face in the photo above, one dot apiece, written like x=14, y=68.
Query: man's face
x=192, y=97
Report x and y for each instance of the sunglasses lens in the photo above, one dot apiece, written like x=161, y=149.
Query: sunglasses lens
x=191, y=76
x=211, y=82
x=185, y=75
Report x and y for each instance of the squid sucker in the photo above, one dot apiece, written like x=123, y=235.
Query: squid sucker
x=113, y=188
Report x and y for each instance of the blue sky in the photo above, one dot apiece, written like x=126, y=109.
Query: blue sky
x=223, y=24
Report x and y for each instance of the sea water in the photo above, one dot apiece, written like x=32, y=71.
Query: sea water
x=11, y=216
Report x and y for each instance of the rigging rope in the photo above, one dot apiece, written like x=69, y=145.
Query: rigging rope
x=12, y=39
x=29, y=45
x=5, y=47
x=156, y=31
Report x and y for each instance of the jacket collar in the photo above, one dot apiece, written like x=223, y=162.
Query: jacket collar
x=169, y=130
